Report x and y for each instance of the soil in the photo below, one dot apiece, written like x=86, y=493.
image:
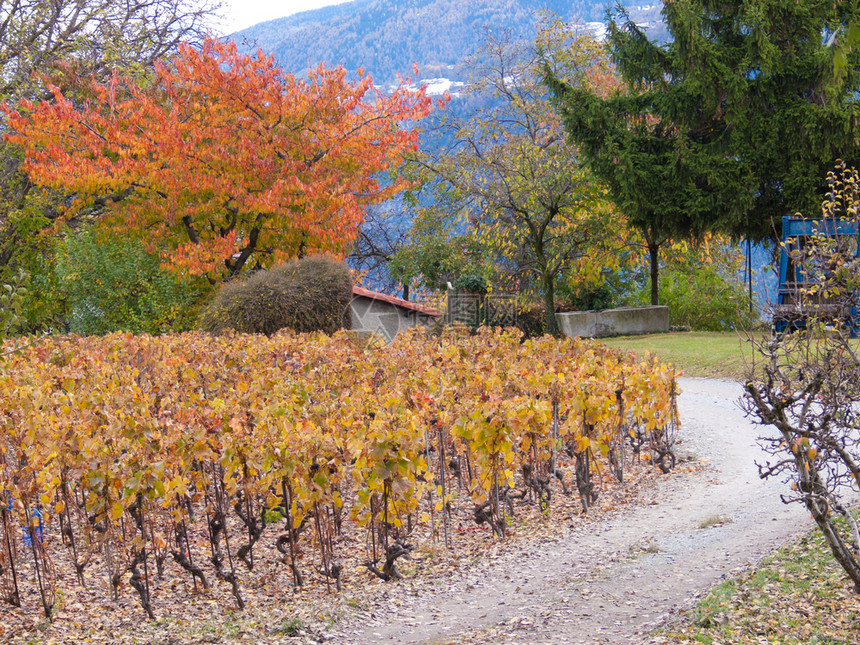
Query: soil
x=619, y=577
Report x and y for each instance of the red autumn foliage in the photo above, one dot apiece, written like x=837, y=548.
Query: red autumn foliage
x=223, y=157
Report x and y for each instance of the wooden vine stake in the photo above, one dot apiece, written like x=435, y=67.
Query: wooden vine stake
x=554, y=440
x=11, y=594
x=291, y=532
x=44, y=579
x=444, y=493
x=429, y=490
x=67, y=529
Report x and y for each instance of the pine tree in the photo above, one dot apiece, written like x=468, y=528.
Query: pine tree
x=765, y=69
x=728, y=126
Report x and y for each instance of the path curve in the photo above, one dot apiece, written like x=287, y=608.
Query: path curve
x=614, y=580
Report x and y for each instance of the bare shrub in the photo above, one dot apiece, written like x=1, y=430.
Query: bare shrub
x=806, y=384
x=307, y=295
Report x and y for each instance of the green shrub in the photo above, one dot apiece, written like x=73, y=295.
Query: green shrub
x=312, y=294
x=114, y=284
x=531, y=319
x=472, y=284
x=12, y=294
x=44, y=305
x=592, y=298
x=704, y=297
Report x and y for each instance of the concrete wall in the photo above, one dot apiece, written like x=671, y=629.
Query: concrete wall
x=383, y=318
x=614, y=322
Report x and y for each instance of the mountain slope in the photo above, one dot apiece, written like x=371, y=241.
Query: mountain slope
x=387, y=37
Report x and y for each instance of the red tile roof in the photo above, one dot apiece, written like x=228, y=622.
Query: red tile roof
x=399, y=302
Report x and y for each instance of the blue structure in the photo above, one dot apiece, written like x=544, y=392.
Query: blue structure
x=790, y=312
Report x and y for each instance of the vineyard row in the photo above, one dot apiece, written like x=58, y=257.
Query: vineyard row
x=123, y=450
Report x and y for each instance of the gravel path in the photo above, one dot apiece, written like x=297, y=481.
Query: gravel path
x=613, y=580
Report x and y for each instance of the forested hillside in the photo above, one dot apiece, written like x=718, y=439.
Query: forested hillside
x=386, y=37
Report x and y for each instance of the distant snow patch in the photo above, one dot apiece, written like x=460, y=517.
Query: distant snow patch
x=598, y=29
x=436, y=86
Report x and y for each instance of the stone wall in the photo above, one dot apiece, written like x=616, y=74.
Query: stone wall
x=614, y=322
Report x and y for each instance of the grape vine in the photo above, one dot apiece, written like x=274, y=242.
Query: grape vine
x=125, y=450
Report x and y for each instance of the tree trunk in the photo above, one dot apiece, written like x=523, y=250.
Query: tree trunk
x=654, y=256
x=810, y=481
x=549, y=304
x=841, y=551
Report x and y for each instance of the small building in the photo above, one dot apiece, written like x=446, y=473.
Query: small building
x=374, y=312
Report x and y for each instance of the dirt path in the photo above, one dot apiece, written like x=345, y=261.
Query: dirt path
x=615, y=580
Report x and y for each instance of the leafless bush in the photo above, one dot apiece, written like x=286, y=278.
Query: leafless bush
x=805, y=382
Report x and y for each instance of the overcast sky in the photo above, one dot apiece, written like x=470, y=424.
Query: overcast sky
x=244, y=13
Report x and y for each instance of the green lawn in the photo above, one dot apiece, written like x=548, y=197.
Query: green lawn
x=713, y=354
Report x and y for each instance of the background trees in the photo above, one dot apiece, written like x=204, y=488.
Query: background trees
x=728, y=126
x=517, y=205
x=511, y=174
x=508, y=198
x=83, y=37
x=223, y=159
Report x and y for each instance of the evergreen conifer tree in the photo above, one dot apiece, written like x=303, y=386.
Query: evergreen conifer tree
x=728, y=126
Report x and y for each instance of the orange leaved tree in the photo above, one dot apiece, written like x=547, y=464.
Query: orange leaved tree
x=223, y=159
